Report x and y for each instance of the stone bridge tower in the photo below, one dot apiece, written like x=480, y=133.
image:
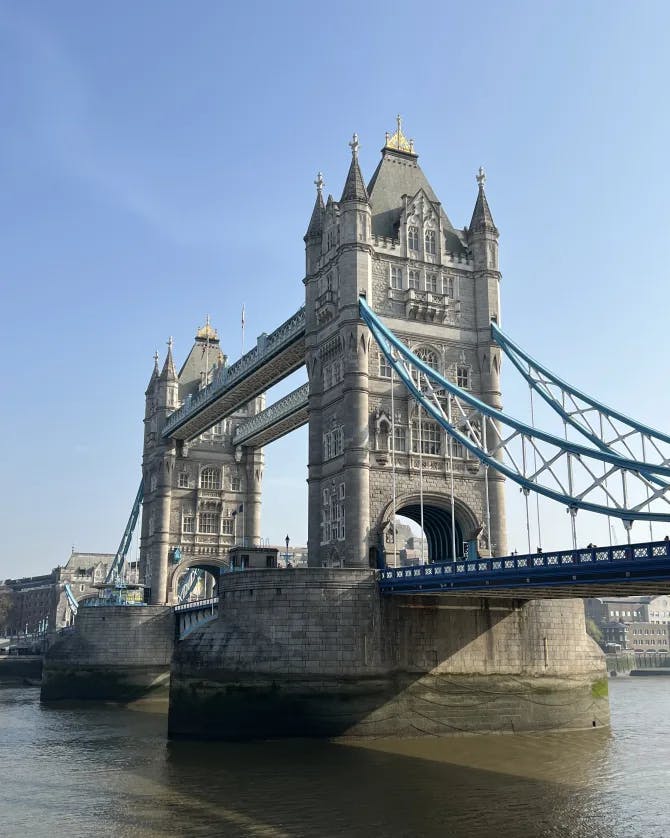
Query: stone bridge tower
x=201, y=496
x=437, y=288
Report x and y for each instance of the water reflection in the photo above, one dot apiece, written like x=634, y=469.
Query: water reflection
x=108, y=771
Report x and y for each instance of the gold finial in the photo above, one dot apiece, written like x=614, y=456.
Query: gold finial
x=353, y=145
x=207, y=332
x=481, y=177
x=319, y=183
x=398, y=141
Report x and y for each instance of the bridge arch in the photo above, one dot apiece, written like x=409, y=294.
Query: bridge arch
x=436, y=523
x=210, y=564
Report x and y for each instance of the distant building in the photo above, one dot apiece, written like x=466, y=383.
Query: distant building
x=649, y=637
x=629, y=609
x=39, y=602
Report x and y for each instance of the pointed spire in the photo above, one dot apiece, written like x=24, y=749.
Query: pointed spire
x=154, y=375
x=316, y=221
x=169, y=372
x=354, y=186
x=482, y=220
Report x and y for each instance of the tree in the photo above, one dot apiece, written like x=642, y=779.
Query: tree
x=594, y=630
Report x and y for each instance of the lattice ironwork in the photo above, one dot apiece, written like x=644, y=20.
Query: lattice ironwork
x=594, y=479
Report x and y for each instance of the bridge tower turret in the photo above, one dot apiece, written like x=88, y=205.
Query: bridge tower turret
x=162, y=397
x=483, y=241
x=339, y=269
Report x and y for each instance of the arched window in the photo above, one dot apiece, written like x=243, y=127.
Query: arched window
x=430, y=241
x=413, y=238
x=428, y=357
x=210, y=478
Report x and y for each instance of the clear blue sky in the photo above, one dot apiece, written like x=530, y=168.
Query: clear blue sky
x=157, y=163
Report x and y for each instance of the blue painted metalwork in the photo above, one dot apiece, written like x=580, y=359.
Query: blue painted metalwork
x=399, y=356
x=116, y=568
x=72, y=600
x=187, y=586
x=514, y=352
x=625, y=563
x=268, y=346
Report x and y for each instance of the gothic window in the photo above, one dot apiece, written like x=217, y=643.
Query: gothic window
x=413, y=280
x=227, y=526
x=236, y=484
x=151, y=525
x=463, y=377
x=384, y=366
x=208, y=523
x=430, y=241
x=413, y=238
x=333, y=443
x=448, y=287
x=428, y=357
x=431, y=437
x=154, y=482
x=182, y=480
x=217, y=430
x=327, y=380
x=400, y=438
x=431, y=283
x=455, y=448
x=396, y=278
x=188, y=524
x=210, y=478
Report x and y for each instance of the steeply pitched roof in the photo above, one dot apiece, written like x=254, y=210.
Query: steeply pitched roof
x=205, y=354
x=316, y=221
x=398, y=174
x=169, y=373
x=354, y=185
x=154, y=376
x=481, y=216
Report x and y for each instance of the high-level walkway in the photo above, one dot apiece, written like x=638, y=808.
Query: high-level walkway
x=274, y=357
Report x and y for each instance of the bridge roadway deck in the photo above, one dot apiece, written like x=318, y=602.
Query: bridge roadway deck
x=618, y=570
x=274, y=358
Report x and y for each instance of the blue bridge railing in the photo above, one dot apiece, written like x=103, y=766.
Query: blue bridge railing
x=649, y=561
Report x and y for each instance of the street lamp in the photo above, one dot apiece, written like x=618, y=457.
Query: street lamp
x=286, y=554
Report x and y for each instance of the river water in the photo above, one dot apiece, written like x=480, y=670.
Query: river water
x=98, y=770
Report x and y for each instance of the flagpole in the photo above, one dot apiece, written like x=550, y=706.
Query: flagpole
x=243, y=328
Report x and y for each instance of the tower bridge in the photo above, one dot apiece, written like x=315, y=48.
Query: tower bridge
x=401, y=341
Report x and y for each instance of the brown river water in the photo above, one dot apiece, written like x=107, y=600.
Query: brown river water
x=99, y=770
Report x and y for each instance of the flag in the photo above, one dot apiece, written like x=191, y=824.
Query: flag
x=241, y=507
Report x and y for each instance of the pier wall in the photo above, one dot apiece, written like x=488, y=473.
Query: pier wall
x=114, y=653
x=319, y=652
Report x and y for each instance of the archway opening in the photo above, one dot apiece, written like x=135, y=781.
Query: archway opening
x=196, y=582
x=433, y=543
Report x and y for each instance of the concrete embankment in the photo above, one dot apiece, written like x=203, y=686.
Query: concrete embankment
x=318, y=652
x=114, y=653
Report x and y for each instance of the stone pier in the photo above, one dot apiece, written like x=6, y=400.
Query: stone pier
x=318, y=652
x=113, y=653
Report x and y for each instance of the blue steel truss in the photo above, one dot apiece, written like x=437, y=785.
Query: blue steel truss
x=604, y=427
x=594, y=479
x=646, y=564
x=116, y=568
